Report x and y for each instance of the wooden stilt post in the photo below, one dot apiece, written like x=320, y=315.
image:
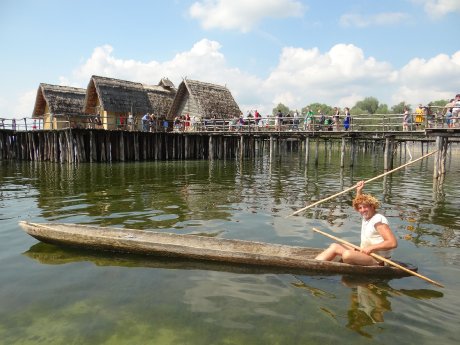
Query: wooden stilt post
x=307, y=150
x=271, y=148
x=439, y=168
x=122, y=147
x=386, y=154
x=352, y=152
x=316, y=150
x=210, y=149
x=436, y=170
x=445, y=147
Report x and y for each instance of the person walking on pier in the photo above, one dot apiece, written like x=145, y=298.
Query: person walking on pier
x=406, y=119
x=295, y=121
x=456, y=110
x=256, y=118
x=321, y=119
x=309, y=117
x=419, y=118
x=146, y=122
x=278, y=120
x=376, y=235
x=448, y=115
x=347, y=120
x=336, y=118
x=130, y=122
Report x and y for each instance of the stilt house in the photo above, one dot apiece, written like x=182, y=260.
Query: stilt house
x=203, y=100
x=59, y=106
x=113, y=100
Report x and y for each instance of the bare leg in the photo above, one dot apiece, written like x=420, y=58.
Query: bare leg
x=349, y=256
x=355, y=257
x=331, y=252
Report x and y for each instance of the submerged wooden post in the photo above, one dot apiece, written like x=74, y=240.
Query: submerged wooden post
x=388, y=153
x=307, y=149
x=352, y=152
x=316, y=150
x=440, y=157
x=342, y=153
x=271, y=148
x=211, y=149
x=445, y=147
x=122, y=147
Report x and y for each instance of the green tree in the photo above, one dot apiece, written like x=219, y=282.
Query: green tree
x=439, y=103
x=399, y=108
x=284, y=109
x=357, y=111
x=315, y=107
x=382, y=109
x=368, y=104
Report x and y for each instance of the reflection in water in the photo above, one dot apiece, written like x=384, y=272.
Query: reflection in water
x=369, y=300
x=184, y=193
x=368, y=304
x=50, y=254
x=119, y=299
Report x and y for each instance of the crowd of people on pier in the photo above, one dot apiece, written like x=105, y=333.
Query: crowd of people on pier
x=337, y=119
x=152, y=123
x=452, y=112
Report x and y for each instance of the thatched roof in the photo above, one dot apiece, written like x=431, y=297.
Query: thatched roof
x=123, y=96
x=166, y=83
x=208, y=99
x=61, y=100
x=160, y=97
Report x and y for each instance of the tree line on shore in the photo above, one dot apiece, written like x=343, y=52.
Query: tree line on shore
x=369, y=105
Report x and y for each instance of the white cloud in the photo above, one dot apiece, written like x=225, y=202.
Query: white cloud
x=439, y=8
x=340, y=76
x=327, y=78
x=242, y=15
x=203, y=61
x=380, y=19
x=427, y=80
x=23, y=106
x=18, y=107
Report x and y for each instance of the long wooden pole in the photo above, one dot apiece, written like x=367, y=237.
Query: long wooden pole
x=378, y=257
x=353, y=187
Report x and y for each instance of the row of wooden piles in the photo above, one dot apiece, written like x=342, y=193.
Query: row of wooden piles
x=83, y=145
x=95, y=145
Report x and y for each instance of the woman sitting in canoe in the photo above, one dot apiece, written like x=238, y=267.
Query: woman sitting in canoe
x=376, y=235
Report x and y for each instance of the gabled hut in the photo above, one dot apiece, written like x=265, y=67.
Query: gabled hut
x=113, y=99
x=59, y=106
x=203, y=100
x=161, y=96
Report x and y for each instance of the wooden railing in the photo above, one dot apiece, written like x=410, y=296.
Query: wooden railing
x=362, y=122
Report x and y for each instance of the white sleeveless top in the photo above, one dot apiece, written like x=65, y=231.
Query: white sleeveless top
x=370, y=235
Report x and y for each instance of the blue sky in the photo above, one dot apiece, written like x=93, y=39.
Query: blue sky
x=265, y=51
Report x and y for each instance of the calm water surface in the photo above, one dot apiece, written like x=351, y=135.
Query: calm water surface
x=51, y=295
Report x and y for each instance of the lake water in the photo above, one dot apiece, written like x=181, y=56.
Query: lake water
x=51, y=295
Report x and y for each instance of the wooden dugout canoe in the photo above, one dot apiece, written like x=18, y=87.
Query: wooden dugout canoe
x=145, y=242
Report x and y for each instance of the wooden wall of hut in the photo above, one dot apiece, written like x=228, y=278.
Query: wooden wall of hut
x=96, y=145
